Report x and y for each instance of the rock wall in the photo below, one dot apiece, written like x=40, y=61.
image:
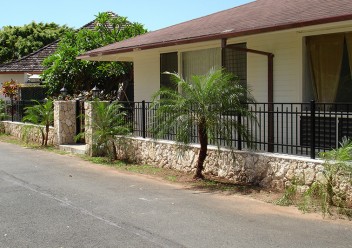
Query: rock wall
x=27, y=131
x=268, y=170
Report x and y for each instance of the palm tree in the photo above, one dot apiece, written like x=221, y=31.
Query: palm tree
x=41, y=114
x=202, y=103
x=109, y=122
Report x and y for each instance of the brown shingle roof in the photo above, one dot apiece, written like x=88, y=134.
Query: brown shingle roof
x=252, y=18
x=33, y=61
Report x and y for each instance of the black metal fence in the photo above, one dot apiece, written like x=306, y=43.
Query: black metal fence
x=288, y=128
x=15, y=110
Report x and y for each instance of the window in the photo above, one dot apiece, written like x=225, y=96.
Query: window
x=330, y=63
x=169, y=63
x=200, y=62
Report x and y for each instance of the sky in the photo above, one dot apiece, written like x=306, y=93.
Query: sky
x=154, y=14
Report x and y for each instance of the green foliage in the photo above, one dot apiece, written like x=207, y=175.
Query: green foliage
x=3, y=114
x=42, y=115
x=207, y=103
x=108, y=124
x=326, y=194
x=290, y=196
x=18, y=41
x=79, y=75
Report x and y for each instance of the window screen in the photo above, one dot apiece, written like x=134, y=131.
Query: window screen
x=235, y=61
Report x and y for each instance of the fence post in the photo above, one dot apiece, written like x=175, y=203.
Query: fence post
x=78, y=118
x=12, y=112
x=312, y=129
x=239, y=141
x=271, y=123
x=143, y=120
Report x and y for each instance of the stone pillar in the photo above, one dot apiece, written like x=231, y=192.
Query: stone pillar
x=88, y=118
x=65, y=121
x=89, y=128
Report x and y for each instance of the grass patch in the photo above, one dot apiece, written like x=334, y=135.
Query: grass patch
x=135, y=168
x=30, y=145
x=10, y=139
x=171, y=178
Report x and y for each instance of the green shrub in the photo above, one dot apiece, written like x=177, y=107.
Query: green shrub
x=326, y=195
x=3, y=114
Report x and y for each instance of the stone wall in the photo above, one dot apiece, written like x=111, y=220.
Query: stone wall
x=264, y=169
x=32, y=132
x=65, y=121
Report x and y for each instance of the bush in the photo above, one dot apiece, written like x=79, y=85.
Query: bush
x=3, y=114
x=328, y=194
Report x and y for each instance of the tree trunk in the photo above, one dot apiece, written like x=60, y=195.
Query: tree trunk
x=43, y=136
x=203, y=140
x=114, y=154
x=46, y=135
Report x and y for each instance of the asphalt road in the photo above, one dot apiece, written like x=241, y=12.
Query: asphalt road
x=51, y=200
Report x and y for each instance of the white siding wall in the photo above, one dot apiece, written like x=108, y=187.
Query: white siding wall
x=288, y=63
x=146, y=77
x=287, y=49
x=19, y=78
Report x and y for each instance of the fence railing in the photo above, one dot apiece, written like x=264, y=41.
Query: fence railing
x=288, y=128
x=15, y=110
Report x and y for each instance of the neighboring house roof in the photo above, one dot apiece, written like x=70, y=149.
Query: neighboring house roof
x=33, y=62
x=256, y=17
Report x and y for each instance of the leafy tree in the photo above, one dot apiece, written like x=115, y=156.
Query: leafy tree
x=18, y=41
x=109, y=122
x=43, y=115
x=200, y=105
x=78, y=75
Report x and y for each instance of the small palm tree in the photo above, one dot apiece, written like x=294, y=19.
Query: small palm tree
x=41, y=114
x=109, y=122
x=202, y=103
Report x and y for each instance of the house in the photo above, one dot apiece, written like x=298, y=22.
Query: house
x=290, y=31
x=287, y=51
x=28, y=66
x=27, y=69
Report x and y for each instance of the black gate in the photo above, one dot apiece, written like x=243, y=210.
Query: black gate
x=80, y=122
